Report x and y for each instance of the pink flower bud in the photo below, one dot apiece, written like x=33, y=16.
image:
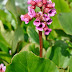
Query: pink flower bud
x=37, y=1
x=44, y=1
x=33, y=3
x=39, y=4
x=46, y=10
x=25, y=18
x=33, y=7
x=29, y=1
x=52, y=5
x=40, y=27
x=2, y=68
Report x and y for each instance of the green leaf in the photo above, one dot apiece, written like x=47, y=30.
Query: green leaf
x=61, y=6
x=55, y=24
x=10, y=6
x=60, y=54
x=69, y=0
x=34, y=49
x=35, y=37
x=70, y=65
x=71, y=4
x=3, y=44
x=18, y=36
x=22, y=4
x=66, y=22
x=5, y=57
x=28, y=62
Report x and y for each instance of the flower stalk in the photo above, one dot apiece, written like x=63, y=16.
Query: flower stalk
x=41, y=43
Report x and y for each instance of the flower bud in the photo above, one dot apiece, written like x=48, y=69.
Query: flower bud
x=39, y=4
x=27, y=16
x=33, y=7
x=33, y=3
x=46, y=10
x=44, y=1
x=29, y=1
x=50, y=5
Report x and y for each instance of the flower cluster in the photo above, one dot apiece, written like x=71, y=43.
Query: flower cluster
x=43, y=17
x=2, y=68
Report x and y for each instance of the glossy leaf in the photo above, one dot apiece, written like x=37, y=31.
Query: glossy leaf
x=5, y=57
x=10, y=6
x=66, y=22
x=28, y=62
x=61, y=6
x=18, y=36
x=60, y=54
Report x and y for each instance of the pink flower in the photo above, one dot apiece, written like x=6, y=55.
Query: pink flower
x=38, y=0
x=52, y=12
x=2, y=68
x=22, y=17
x=31, y=12
x=51, y=5
x=46, y=10
x=48, y=2
x=40, y=13
x=26, y=18
x=37, y=22
x=45, y=17
x=49, y=21
x=44, y=1
x=47, y=30
x=29, y=1
x=40, y=27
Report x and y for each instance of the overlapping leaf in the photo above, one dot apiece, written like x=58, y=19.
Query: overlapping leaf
x=28, y=62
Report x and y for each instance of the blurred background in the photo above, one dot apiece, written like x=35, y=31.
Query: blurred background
x=16, y=36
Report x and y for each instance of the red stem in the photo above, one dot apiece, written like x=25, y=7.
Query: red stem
x=41, y=44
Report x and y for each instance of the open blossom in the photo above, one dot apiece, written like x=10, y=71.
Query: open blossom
x=52, y=12
x=2, y=68
x=26, y=18
x=37, y=22
x=42, y=18
x=40, y=27
x=46, y=17
x=29, y=1
x=38, y=0
x=47, y=30
x=49, y=21
x=31, y=12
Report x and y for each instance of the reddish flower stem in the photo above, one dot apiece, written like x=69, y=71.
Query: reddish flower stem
x=41, y=43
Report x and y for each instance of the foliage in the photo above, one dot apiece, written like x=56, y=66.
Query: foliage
x=23, y=40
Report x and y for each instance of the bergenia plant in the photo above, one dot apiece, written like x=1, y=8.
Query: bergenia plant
x=42, y=18
x=2, y=68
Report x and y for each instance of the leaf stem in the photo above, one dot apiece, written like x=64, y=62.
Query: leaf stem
x=41, y=43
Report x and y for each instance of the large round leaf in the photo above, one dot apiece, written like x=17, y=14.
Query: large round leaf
x=66, y=22
x=28, y=62
x=60, y=54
